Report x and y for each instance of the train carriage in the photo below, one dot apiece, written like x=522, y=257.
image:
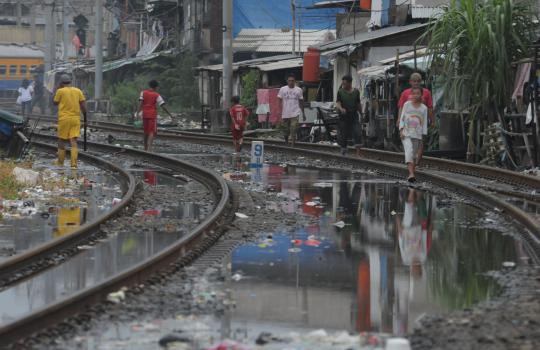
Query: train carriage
x=16, y=64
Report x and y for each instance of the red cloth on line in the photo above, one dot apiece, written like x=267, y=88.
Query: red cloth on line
x=269, y=96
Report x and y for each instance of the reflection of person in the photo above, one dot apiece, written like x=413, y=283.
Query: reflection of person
x=413, y=232
x=291, y=99
x=238, y=114
x=348, y=105
x=69, y=219
x=412, y=127
x=25, y=97
x=149, y=100
x=70, y=102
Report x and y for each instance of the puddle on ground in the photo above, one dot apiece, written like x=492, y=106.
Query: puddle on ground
x=121, y=250
x=375, y=257
x=61, y=212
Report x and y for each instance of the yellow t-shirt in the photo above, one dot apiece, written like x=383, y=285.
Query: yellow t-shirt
x=69, y=99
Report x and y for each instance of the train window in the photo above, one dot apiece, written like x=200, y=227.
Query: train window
x=23, y=69
x=12, y=69
x=3, y=69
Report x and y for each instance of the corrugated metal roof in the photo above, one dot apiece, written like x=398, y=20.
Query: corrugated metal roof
x=247, y=63
x=277, y=40
x=287, y=64
x=406, y=55
x=418, y=11
x=332, y=4
x=13, y=50
x=369, y=36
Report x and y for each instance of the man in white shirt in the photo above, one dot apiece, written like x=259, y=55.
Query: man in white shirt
x=291, y=99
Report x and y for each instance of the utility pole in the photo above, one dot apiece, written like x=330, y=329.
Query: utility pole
x=65, y=29
x=19, y=13
x=50, y=35
x=33, y=24
x=293, y=8
x=227, y=52
x=99, y=50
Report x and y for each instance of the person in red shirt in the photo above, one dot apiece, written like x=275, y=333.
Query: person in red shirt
x=150, y=99
x=416, y=82
x=239, y=115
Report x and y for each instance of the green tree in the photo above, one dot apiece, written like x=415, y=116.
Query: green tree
x=472, y=46
x=179, y=81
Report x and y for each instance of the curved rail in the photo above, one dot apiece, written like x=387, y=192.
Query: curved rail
x=189, y=245
x=476, y=170
x=10, y=268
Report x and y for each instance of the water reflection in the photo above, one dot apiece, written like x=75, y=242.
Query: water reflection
x=375, y=258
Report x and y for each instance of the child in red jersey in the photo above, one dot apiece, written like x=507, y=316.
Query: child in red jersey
x=239, y=116
x=150, y=99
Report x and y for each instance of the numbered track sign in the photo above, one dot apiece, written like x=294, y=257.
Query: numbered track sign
x=257, y=154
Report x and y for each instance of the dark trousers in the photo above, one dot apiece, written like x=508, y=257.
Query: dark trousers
x=348, y=128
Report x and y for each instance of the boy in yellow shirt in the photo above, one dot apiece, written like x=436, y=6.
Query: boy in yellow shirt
x=70, y=102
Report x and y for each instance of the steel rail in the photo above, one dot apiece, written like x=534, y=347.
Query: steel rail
x=476, y=170
x=11, y=266
x=186, y=247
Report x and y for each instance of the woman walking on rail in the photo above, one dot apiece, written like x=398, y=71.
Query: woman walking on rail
x=70, y=102
x=25, y=97
x=412, y=127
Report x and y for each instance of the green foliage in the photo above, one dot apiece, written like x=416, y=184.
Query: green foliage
x=179, y=83
x=176, y=77
x=9, y=187
x=473, y=45
x=125, y=95
x=250, y=83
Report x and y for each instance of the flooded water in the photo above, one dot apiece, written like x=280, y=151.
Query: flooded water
x=86, y=194
x=123, y=249
x=375, y=257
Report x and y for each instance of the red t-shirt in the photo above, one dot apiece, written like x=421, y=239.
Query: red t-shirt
x=150, y=100
x=426, y=98
x=239, y=114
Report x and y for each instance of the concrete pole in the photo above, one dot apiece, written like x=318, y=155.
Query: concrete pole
x=19, y=13
x=65, y=29
x=227, y=52
x=50, y=37
x=33, y=24
x=98, y=84
x=293, y=9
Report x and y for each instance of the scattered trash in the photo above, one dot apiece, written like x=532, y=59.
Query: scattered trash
x=339, y=224
x=295, y=250
x=397, y=344
x=320, y=333
x=393, y=213
x=84, y=247
x=296, y=241
x=312, y=243
x=229, y=345
x=509, y=264
x=311, y=204
x=241, y=216
x=169, y=339
x=116, y=201
x=117, y=297
x=26, y=176
x=236, y=277
x=322, y=184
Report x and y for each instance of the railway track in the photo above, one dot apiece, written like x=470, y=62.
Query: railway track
x=32, y=261
x=173, y=257
x=193, y=244
x=432, y=163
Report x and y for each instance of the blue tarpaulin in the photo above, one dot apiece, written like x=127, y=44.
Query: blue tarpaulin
x=278, y=14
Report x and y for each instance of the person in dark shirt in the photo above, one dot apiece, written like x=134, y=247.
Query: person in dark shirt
x=348, y=105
